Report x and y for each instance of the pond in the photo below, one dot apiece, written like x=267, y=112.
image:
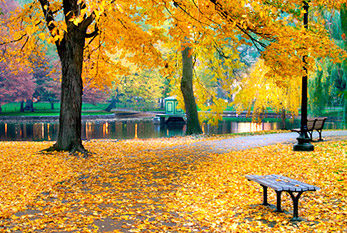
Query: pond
x=33, y=131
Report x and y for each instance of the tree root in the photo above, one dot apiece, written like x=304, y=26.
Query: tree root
x=78, y=151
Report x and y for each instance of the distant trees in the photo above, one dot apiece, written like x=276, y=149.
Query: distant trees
x=142, y=88
x=258, y=93
x=16, y=80
x=327, y=86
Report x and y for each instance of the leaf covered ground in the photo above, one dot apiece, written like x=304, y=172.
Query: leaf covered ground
x=155, y=185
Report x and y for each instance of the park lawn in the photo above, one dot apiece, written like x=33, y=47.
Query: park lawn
x=157, y=185
x=43, y=107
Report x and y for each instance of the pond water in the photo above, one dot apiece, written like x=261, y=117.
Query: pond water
x=26, y=131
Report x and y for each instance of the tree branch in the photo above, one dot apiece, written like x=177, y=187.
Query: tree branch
x=13, y=41
x=247, y=31
x=48, y=14
x=94, y=33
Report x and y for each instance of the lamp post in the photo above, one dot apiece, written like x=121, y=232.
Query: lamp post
x=303, y=143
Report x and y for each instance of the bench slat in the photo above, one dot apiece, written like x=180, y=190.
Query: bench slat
x=300, y=184
x=282, y=183
x=277, y=184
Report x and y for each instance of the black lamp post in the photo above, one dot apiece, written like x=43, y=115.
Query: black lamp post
x=303, y=143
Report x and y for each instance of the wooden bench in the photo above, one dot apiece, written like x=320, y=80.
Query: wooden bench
x=316, y=123
x=279, y=184
x=318, y=126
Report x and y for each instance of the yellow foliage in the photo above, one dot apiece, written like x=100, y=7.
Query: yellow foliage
x=137, y=28
x=259, y=91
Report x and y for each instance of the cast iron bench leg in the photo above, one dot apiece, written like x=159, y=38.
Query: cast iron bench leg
x=264, y=195
x=310, y=133
x=278, y=206
x=320, y=135
x=295, y=205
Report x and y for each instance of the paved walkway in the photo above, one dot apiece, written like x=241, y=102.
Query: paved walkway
x=242, y=143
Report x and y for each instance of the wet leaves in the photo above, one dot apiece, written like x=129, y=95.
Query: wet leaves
x=166, y=185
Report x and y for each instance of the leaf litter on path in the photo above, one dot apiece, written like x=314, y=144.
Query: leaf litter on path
x=144, y=186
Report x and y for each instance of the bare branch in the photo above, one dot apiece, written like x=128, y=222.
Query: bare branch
x=94, y=33
x=13, y=41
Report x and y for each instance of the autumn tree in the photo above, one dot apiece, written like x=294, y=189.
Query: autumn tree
x=273, y=28
x=80, y=31
x=259, y=92
x=16, y=81
x=46, y=72
x=193, y=124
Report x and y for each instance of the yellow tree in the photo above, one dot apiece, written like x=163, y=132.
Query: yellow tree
x=80, y=31
x=258, y=92
x=274, y=28
x=213, y=67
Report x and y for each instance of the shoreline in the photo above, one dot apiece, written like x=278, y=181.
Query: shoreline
x=110, y=117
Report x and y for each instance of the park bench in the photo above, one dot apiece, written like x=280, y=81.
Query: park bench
x=279, y=184
x=316, y=123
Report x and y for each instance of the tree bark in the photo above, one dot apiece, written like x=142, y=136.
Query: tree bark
x=111, y=105
x=283, y=118
x=29, y=105
x=193, y=125
x=70, y=52
x=70, y=49
x=21, y=106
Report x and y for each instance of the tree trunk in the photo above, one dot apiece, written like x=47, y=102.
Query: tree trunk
x=0, y=109
x=112, y=105
x=52, y=105
x=70, y=51
x=21, y=106
x=283, y=118
x=193, y=125
x=29, y=105
x=70, y=45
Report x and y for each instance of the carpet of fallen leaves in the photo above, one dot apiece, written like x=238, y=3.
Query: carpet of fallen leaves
x=155, y=185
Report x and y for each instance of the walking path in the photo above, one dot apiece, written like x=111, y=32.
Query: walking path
x=242, y=143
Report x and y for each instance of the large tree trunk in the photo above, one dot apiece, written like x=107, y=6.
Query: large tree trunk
x=70, y=49
x=71, y=56
x=193, y=125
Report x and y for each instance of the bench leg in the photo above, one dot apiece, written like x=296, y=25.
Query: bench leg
x=265, y=195
x=310, y=133
x=295, y=205
x=320, y=135
x=278, y=206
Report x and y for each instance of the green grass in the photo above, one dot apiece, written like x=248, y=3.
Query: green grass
x=41, y=106
x=44, y=109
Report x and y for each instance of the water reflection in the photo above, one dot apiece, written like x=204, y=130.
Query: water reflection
x=28, y=131
x=127, y=129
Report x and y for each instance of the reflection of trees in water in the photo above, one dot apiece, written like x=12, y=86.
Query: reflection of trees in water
x=27, y=131
x=128, y=129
